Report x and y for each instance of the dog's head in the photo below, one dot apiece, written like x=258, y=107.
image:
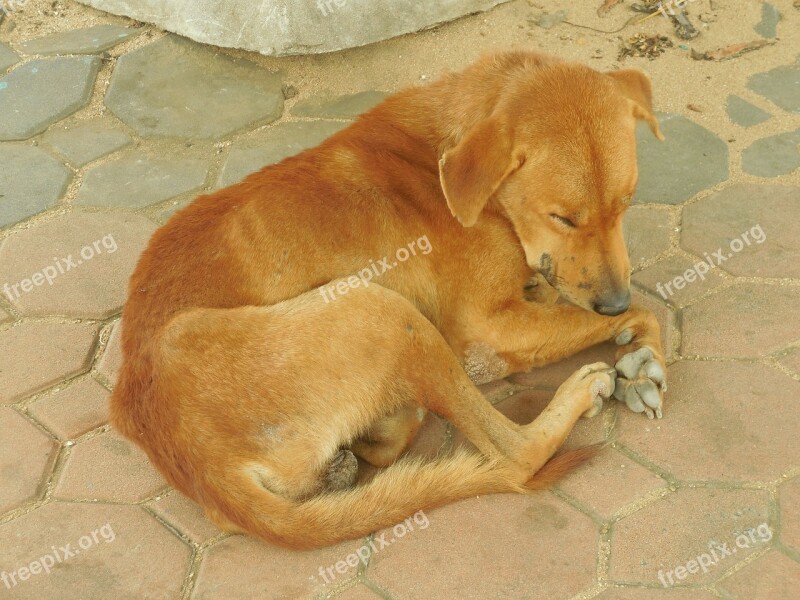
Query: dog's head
x=557, y=157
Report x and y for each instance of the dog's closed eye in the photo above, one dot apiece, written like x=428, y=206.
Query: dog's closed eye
x=563, y=220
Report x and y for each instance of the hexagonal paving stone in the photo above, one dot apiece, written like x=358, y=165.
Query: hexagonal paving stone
x=86, y=141
x=186, y=516
x=74, y=410
x=690, y=160
x=91, y=40
x=25, y=453
x=272, y=146
x=609, y=482
x=773, y=156
x=111, y=361
x=678, y=528
x=138, y=180
x=174, y=87
x=789, y=498
x=338, y=107
x=745, y=114
x=103, y=550
x=34, y=356
x=26, y=94
x=661, y=278
x=647, y=233
x=266, y=571
x=770, y=17
x=108, y=467
x=723, y=421
x=769, y=577
x=781, y=85
x=508, y=546
x=754, y=226
x=747, y=320
x=8, y=58
x=24, y=196
x=97, y=252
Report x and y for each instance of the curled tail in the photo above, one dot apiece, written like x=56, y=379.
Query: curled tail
x=392, y=495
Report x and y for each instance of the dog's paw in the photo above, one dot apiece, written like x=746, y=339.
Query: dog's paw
x=601, y=379
x=641, y=380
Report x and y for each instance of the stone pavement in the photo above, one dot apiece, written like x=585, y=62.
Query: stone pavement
x=705, y=502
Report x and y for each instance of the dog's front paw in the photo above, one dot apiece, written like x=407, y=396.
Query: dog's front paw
x=641, y=380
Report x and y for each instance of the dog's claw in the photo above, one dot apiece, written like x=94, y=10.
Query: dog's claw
x=641, y=381
x=624, y=338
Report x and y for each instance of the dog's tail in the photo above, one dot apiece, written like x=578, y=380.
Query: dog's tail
x=394, y=494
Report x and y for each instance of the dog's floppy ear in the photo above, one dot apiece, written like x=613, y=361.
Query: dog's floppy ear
x=636, y=86
x=473, y=170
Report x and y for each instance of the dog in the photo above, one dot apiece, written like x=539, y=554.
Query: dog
x=253, y=390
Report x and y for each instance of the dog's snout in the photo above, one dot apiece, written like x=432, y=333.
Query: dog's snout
x=613, y=304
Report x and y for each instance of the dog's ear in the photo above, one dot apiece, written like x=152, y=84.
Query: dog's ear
x=473, y=170
x=636, y=86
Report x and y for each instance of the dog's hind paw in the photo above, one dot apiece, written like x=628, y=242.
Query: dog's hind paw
x=641, y=382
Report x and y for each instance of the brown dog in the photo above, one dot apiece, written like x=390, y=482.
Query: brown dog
x=259, y=356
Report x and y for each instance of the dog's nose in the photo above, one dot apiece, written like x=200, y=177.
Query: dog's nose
x=613, y=304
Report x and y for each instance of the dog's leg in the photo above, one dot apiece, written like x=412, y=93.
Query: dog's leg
x=525, y=335
x=389, y=437
x=531, y=445
x=589, y=385
x=445, y=388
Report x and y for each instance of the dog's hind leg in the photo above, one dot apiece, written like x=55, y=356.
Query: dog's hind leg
x=390, y=436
